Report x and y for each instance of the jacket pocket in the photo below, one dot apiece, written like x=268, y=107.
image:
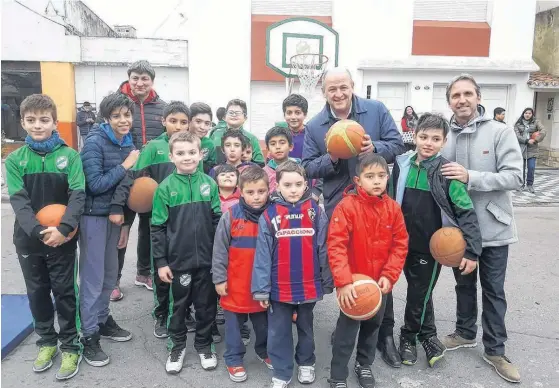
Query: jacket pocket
x=499, y=213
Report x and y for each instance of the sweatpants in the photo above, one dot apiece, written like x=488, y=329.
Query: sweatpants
x=54, y=272
x=280, y=337
x=422, y=272
x=195, y=287
x=160, y=293
x=234, y=348
x=143, y=263
x=347, y=330
x=98, y=270
x=492, y=268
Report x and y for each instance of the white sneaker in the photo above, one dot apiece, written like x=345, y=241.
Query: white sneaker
x=305, y=374
x=208, y=361
x=174, y=361
x=277, y=383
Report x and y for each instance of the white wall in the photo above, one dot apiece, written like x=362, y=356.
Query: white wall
x=552, y=124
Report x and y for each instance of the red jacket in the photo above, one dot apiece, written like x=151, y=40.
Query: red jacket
x=405, y=127
x=367, y=235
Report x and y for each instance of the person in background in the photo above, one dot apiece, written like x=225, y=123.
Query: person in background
x=499, y=114
x=221, y=124
x=409, y=122
x=529, y=132
x=85, y=120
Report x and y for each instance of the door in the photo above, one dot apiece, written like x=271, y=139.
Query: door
x=393, y=95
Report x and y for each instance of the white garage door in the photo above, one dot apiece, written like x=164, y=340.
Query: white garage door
x=492, y=96
x=394, y=96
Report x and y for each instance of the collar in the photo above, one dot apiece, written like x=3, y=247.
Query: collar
x=235, y=195
x=273, y=165
x=47, y=145
x=348, y=116
x=362, y=195
x=125, y=88
x=126, y=140
x=357, y=107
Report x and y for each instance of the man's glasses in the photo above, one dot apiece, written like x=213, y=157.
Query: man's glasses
x=234, y=113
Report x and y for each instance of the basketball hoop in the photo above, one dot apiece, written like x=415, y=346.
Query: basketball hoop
x=308, y=68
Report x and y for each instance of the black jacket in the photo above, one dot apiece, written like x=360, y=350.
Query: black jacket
x=82, y=123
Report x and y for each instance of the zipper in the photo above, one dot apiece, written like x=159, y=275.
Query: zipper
x=143, y=123
x=43, y=159
x=195, y=237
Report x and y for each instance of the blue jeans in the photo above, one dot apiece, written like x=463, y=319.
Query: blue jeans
x=530, y=163
x=234, y=347
x=280, y=338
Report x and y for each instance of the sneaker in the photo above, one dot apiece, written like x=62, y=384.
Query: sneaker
x=277, y=383
x=216, y=335
x=160, y=327
x=504, y=367
x=113, y=331
x=219, y=317
x=44, y=358
x=237, y=373
x=266, y=362
x=245, y=334
x=175, y=361
x=434, y=350
x=455, y=341
x=305, y=374
x=364, y=376
x=408, y=352
x=190, y=322
x=521, y=188
x=208, y=360
x=69, y=367
x=337, y=384
x=531, y=189
x=92, y=352
x=144, y=281
x=117, y=294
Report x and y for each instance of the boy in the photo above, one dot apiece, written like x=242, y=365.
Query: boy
x=106, y=156
x=375, y=246
x=247, y=154
x=279, y=143
x=429, y=201
x=200, y=123
x=43, y=172
x=185, y=214
x=235, y=117
x=233, y=145
x=291, y=268
x=233, y=257
x=295, y=108
x=226, y=177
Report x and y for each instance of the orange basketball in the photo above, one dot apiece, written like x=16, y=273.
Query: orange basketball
x=448, y=246
x=51, y=215
x=344, y=139
x=141, y=194
x=369, y=298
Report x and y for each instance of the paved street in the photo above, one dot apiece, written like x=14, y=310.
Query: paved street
x=532, y=327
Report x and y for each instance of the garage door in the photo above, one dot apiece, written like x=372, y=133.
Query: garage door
x=393, y=95
x=492, y=96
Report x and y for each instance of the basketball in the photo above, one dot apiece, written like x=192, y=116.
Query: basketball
x=448, y=246
x=344, y=139
x=51, y=215
x=141, y=194
x=369, y=299
x=535, y=136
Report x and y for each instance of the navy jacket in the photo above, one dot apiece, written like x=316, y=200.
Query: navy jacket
x=102, y=156
x=82, y=123
x=378, y=124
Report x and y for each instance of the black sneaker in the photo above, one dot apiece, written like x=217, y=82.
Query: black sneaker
x=364, y=376
x=190, y=322
x=245, y=334
x=434, y=350
x=92, y=352
x=408, y=351
x=337, y=384
x=113, y=331
x=216, y=335
x=160, y=327
x=219, y=317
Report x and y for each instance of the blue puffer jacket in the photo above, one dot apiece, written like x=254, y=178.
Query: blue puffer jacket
x=102, y=155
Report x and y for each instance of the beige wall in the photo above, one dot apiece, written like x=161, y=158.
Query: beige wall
x=546, y=41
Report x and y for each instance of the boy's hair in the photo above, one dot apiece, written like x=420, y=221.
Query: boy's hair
x=223, y=168
x=198, y=108
x=220, y=113
x=290, y=166
x=176, y=107
x=432, y=121
x=278, y=131
x=237, y=135
x=184, y=137
x=296, y=100
x=237, y=102
x=141, y=67
x=115, y=101
x=38, y=103
x=498, y=111
x=371, y=159
x=253, y=174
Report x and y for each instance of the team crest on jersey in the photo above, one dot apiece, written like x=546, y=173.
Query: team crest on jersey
x=296, y=232
x=23, y=163
x=205, y=190
x=61, y=162
x=159, y=152
x=185, y=279
x=312, y=213
x=174, y=193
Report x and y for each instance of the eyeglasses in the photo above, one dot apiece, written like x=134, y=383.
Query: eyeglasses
x=234, y=113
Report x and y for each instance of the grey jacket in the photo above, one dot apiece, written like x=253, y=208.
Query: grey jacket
x=491, y=154
x=524, y=134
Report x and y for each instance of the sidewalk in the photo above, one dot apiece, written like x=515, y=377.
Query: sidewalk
x=546, y=184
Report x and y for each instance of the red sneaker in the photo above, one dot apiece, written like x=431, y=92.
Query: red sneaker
x=237, y=373
x=144, y=281
x=266, y=361
x=116, y=295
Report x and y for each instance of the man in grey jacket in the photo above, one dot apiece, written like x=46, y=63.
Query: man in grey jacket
x=487, y=158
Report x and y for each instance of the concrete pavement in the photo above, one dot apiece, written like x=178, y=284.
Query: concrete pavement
x=532, y=323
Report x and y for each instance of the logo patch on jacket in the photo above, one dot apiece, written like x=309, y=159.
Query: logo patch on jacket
x=185, y=279
x=205, y=190
x=312, y=213
x=61, y=162
x=296, y=232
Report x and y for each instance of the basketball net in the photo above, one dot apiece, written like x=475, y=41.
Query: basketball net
x=308, y=68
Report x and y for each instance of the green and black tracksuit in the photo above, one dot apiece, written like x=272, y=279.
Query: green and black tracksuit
x=429, y=201
x=36, y=180
x=185, y=214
